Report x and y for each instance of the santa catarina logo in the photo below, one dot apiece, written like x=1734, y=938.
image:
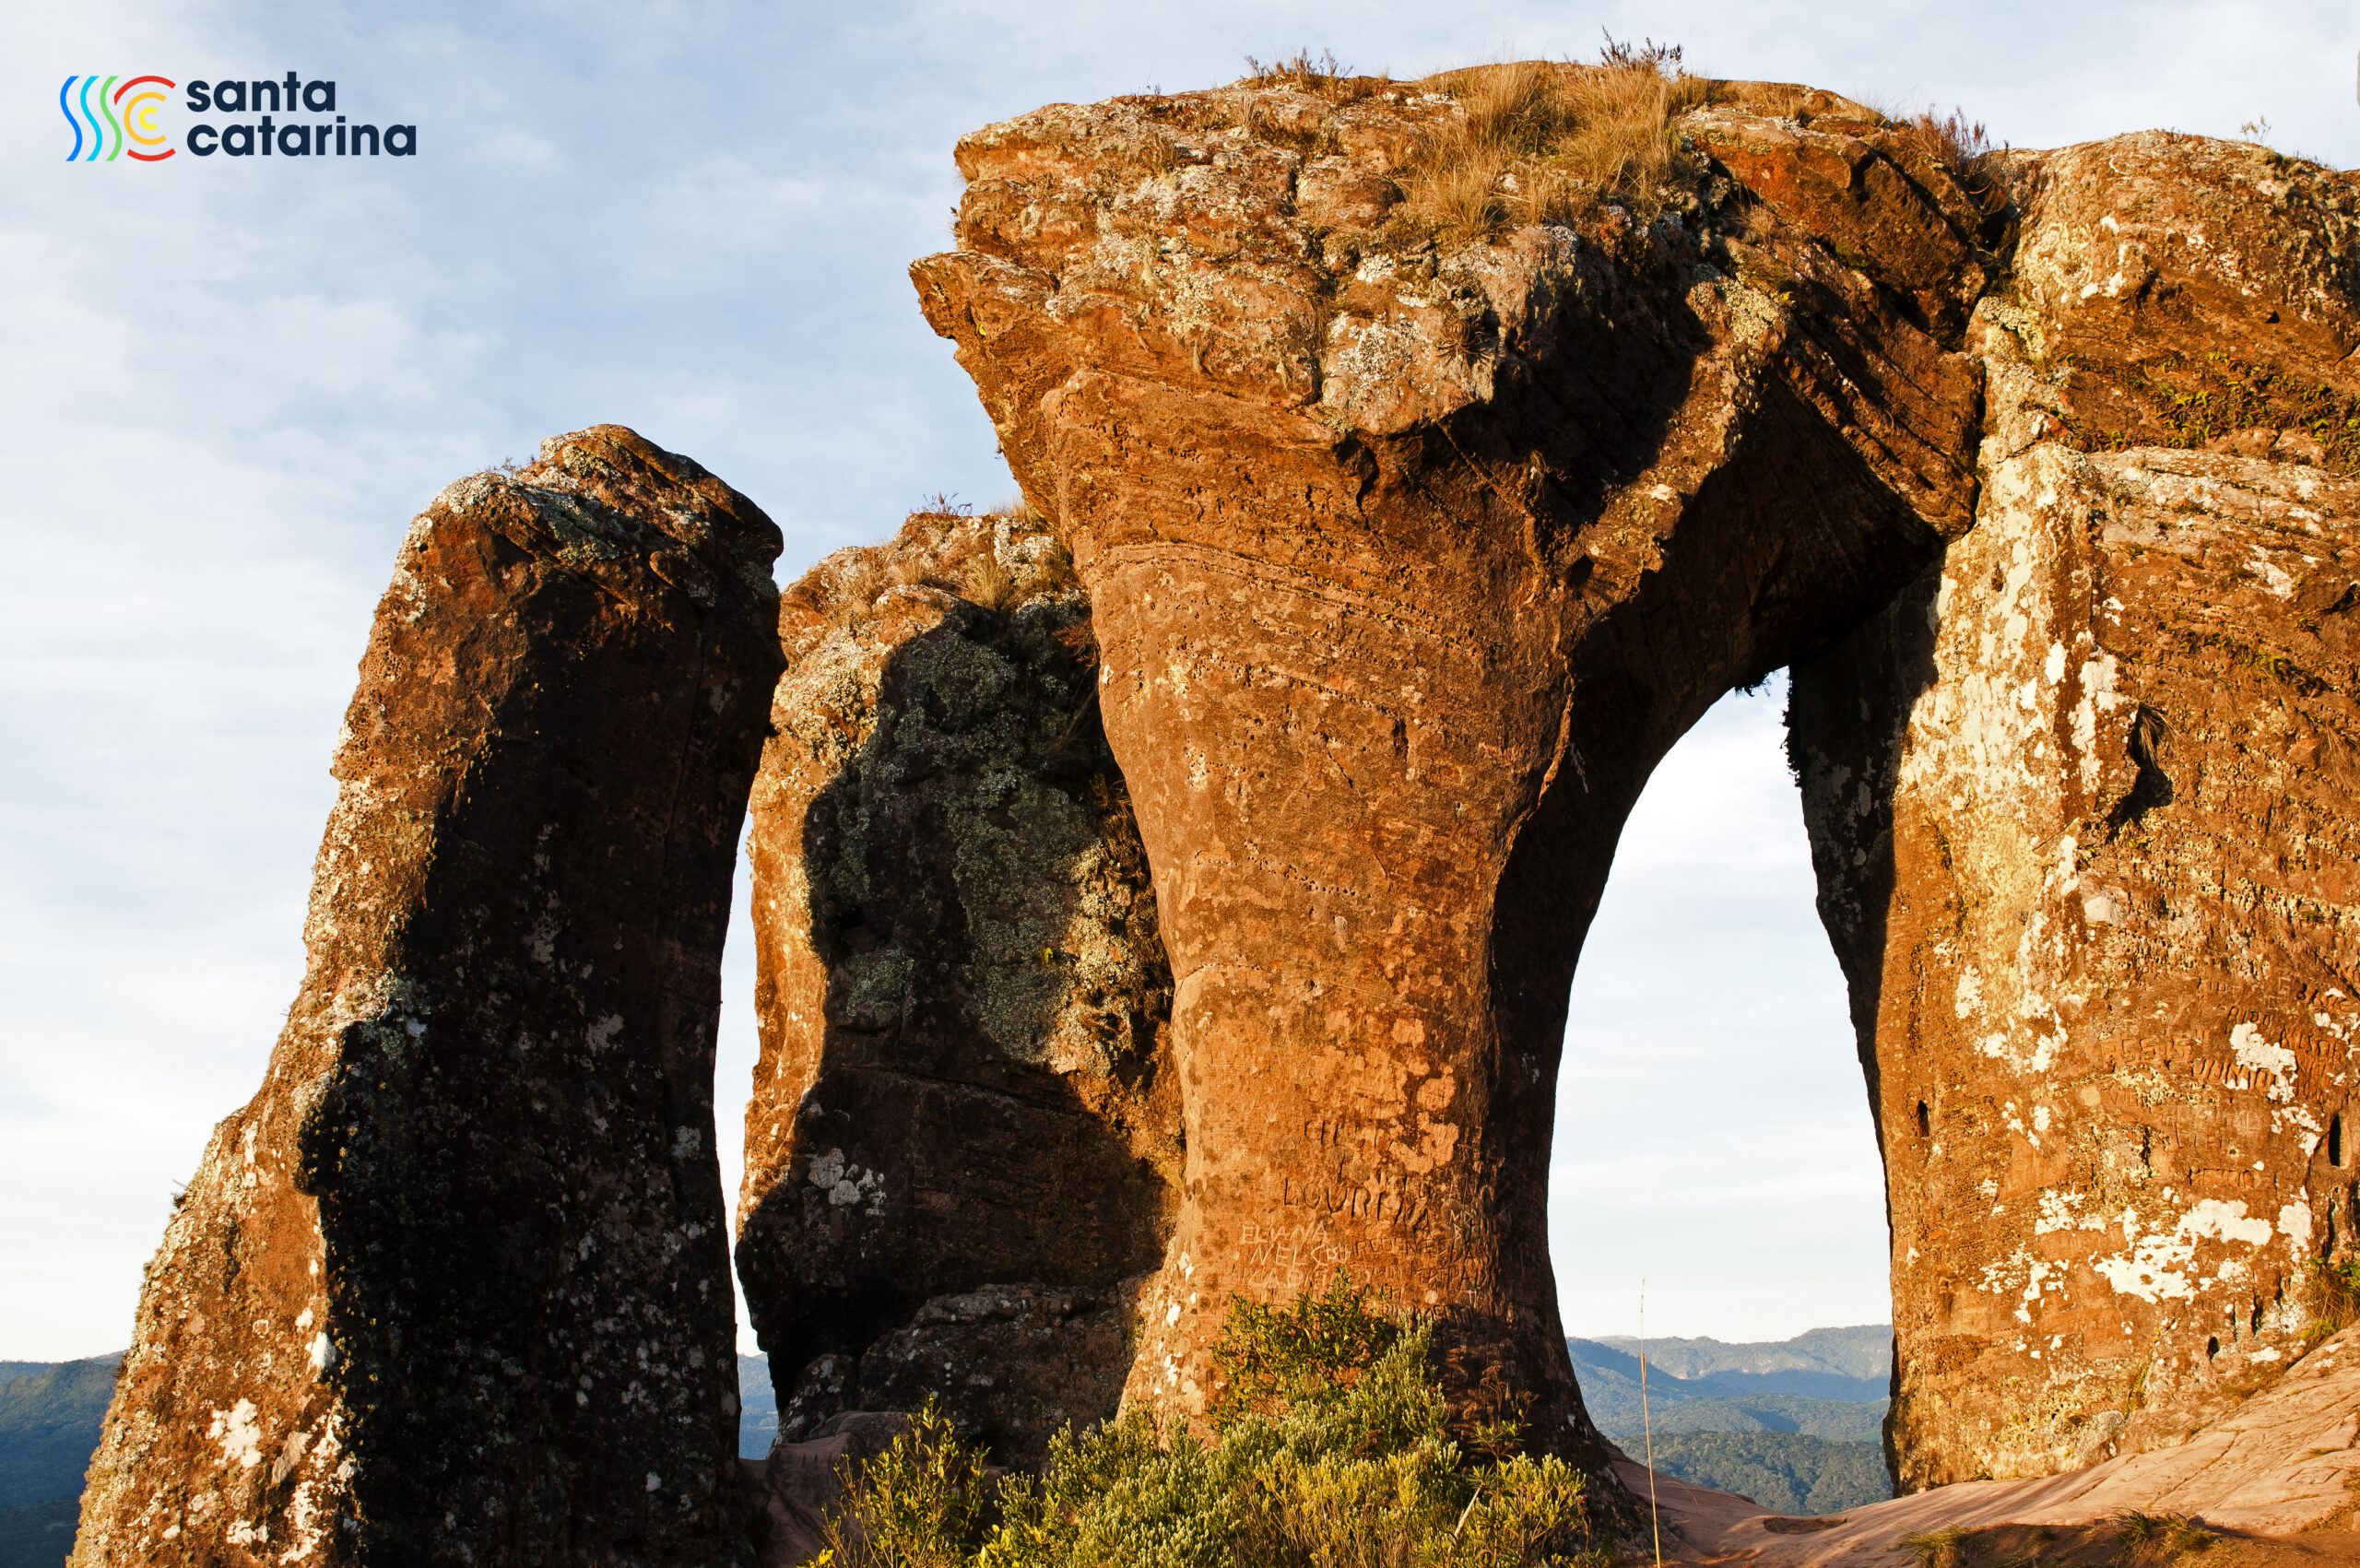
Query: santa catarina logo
x=134, y=118
x=114, y=115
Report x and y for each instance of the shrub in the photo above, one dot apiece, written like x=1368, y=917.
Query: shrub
x=1271, y=1357
x=1936, y=1549
x=1331, y=1448
x=1964, y=147
x=919, y=1505
x=2336, y=1291
x=2176, y=1535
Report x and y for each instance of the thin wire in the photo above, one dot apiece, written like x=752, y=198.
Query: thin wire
x=1647, y=1425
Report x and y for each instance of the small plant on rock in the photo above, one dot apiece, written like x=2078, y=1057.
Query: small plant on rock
x=919, y=1504
x=2335, y=1296
x=1936, y=1549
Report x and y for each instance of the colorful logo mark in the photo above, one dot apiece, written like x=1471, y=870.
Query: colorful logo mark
x=133, y=114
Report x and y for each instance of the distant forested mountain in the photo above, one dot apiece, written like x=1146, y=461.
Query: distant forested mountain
x=50, y=1414
x=1784, y=1471
x=49, y=1427
x=1823, y=1363
x=757, y=1407
x=1724, y=1400
x=1794, y=1424
x=39, y=1534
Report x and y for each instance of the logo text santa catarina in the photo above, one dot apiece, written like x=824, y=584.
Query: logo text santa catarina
x=123, y=120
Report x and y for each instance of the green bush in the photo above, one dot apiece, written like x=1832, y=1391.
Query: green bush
x=1332, y=1446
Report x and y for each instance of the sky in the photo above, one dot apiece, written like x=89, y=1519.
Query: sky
x=226, y=386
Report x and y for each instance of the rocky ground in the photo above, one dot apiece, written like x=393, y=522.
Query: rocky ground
x=2280, y=1476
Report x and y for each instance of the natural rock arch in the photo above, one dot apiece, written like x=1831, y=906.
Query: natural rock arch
x=1397, y=612
x=1409, y=561
x=1405, y=561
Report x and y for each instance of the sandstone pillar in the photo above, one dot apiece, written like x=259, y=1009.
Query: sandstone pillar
x=965, y=1078
x=2082, y=806
x=1410, y=554
x=453, y=1288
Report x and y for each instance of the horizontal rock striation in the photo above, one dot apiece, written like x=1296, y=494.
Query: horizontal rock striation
x=965, y=1076
x=2080, y=802
x=1412, y=550
x=453, y=1287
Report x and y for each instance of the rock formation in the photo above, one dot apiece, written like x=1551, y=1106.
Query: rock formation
x=453, y=1287
x=1411, y=550
x=1417, y=531
x=962, y=995
x=1177, y=899
x=2080, y=802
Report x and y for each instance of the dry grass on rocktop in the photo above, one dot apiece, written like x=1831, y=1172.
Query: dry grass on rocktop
x=1301, y=71
x=1964, y=147
x=1541, y=142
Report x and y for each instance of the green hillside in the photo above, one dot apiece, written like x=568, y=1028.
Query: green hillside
x=38, y=1535
x=1784, y=1471
x=757, y=1407
x=49, y=1427
x=1794, y=1424
x=1721, y=1400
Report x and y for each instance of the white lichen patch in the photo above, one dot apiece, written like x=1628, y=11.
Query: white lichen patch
x=239, y=1435
x=2154, y=1265
x=2259, y=1055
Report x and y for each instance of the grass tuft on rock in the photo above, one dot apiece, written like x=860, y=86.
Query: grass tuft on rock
x=1331, y=1445
x=1541, y=142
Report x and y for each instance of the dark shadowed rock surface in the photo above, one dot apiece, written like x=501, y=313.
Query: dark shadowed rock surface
x=1009, y=1365
x=962, y=992
x=453, y=1288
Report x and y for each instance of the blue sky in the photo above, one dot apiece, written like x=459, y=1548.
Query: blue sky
x=225, y=386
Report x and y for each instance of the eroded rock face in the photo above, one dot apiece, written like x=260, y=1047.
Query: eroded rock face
x=1410, y=560
x=2080, y=802
x=963, y=993
x=453, y=1287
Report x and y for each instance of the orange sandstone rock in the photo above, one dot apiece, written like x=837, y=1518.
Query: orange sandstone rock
x=2081, y=806
x=965, y=1080
x=453, y=1287
x=1408, y=560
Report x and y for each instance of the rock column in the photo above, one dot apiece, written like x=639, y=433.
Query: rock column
x=453, y=1287
x=2080, y=802
x=966, y=1077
